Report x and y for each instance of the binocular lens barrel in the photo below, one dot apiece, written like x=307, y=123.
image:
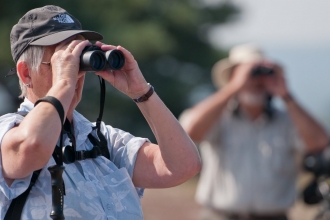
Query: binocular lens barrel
x=94, y=59
x=115, y=58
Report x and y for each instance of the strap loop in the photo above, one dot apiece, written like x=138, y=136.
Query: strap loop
x=56, y=103
x=87, y=154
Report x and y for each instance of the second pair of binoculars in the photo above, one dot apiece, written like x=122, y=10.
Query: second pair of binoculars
x=262, y=70
x=93, y=58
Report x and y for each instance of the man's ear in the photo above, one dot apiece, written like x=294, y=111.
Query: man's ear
x=23, y=72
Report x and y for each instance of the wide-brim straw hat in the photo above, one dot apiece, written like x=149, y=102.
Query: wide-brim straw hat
x=245, y=53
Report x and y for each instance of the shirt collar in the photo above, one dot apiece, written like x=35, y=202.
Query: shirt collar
x=26, y=106
x=259, y=121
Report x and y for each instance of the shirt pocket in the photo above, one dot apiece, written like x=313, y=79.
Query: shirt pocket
x=124, y=202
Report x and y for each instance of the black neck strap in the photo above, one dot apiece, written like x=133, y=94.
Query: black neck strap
x=58, y=190
x=103, y=141
x=16, y=206
x=102, y=101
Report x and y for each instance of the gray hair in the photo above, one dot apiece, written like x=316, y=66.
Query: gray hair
x=32, y=56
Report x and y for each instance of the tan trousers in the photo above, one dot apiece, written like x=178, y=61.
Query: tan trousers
x=210, y=214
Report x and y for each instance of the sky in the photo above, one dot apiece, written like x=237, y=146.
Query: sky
x=295, y=33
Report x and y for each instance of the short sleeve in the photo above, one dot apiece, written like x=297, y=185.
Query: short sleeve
x=123, y=147
x=7, y=122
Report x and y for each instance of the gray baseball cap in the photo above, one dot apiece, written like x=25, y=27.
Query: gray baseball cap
x=46, y=26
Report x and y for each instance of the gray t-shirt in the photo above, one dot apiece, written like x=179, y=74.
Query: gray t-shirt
x=249, y=166
x=95, y=188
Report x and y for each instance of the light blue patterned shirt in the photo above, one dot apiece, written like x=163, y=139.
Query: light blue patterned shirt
x=95, y=188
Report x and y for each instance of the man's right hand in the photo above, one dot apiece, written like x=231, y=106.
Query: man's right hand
x=241, y=75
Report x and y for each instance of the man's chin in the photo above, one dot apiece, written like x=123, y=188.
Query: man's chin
x=252, y=99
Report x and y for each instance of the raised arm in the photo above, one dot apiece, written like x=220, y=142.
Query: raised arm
x=198, y=120
x=175, y=159
x=312, y=133
x=28, y=147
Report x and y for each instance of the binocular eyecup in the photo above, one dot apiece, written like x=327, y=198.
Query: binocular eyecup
x=93, y=58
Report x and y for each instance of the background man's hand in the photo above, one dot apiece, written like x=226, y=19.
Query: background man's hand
x=276, y=84
x=241, y=75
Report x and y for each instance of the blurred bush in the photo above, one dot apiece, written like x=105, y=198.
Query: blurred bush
x=169, y=39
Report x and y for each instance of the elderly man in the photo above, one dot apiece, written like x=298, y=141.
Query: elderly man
x=46, y=45
x=248, y=147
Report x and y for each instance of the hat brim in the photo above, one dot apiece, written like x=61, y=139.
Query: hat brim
x=58, y=37
x=221, y=72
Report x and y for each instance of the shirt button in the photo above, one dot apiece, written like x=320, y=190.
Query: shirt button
x=109, y=207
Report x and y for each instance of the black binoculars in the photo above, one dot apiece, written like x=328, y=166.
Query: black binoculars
x=94, y=59
x=262, y=70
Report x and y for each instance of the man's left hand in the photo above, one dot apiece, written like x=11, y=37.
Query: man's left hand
x=276, y=84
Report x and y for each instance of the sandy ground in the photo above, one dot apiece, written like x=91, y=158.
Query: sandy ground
x=178, y=203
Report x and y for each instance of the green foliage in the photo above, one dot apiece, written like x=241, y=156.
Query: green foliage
x=167, y=38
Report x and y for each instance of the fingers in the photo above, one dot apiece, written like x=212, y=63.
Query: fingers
x=106, y=47
x=244, y=69
x=125, y=52
x=272, y=65
x=73, y=46
x=70, y=48
x=77, y=46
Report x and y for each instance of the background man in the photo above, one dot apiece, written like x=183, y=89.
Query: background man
x=247, y=145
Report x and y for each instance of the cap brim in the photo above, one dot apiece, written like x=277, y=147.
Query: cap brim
x=58, y=37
